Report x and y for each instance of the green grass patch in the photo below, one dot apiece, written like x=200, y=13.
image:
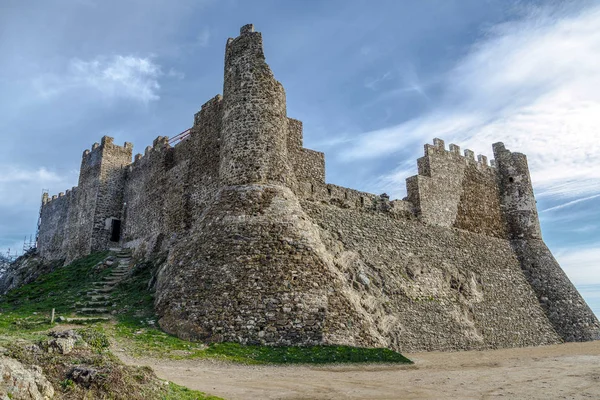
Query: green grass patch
x=25, y=312
x=153, y=342
x=59, y=289
x=136, y=322
x=176, y=392
x=304, y=354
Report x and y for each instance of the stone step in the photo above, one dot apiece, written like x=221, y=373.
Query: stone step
x=85, y=320
x=107, y=278
x=94, y=303
x=100, y=290
x=114, y=275
x=97, y=297
x=92, y=310
x=103, y=285
x=118, y=273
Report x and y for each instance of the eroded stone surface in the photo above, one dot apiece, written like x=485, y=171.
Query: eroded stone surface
x=21, y=383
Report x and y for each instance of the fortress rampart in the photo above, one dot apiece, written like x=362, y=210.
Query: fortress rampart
x=262, y=250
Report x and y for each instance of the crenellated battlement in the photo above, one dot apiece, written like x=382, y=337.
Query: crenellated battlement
x=57, y=198
x=106, y=148
x=455, y=190
x=159, y=146
x=438, y=149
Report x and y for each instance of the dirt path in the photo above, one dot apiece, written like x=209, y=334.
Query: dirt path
x=568, y=371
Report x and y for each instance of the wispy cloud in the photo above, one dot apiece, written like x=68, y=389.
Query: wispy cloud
x=20, y=197
x=374, y=83
x=533, y=84
x=128, y=77
x=21, y=187
x=571, y=203
x=581, y=264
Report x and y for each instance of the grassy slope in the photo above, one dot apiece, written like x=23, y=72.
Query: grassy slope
x=25, y=312
x=25, y=318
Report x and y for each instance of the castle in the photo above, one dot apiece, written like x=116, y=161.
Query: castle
x=262, y=250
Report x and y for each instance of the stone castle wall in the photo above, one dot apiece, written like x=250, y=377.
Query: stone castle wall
x=456, y=191
x=262, y=250
x=423, y=287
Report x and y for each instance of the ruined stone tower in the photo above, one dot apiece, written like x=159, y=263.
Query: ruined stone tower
x=261, y=250
x=571, y=317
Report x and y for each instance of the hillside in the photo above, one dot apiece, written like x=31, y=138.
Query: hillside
x=128, y=324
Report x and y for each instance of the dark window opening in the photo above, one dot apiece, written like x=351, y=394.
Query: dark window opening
x=511, y=179
x=329, y=191
x=115, y=230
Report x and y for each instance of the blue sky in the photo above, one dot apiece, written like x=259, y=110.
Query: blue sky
x=371, y=80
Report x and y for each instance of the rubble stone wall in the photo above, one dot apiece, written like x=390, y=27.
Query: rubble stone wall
x=262, y=250
x=52, y=233
x=453, y=190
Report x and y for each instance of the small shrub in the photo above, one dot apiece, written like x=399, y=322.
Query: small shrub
x=95, y=338
x=67, y=385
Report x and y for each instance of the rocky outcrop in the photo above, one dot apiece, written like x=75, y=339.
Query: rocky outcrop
x=24, y=270
x=20, y=383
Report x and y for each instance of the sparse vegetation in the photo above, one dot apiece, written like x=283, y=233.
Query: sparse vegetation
x=137, y=326
x=25, y=319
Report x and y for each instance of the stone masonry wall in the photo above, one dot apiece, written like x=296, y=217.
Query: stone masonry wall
x=52, y=235
x=262, y=250
x=77, y=224
x=109, y=197
x=254, y=132
x=423, y=287
x=169, y=187
x=308, y=165
x=81, y=216
x=455, y=191
x=144, y=195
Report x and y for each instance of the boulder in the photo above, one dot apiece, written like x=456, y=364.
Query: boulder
x=18, y=382
x=83, y=375
x=63, y=341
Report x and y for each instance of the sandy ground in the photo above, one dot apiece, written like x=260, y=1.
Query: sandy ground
x=567, y=371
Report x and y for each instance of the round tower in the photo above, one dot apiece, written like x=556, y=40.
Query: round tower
x=516, y=192
x=254, y=130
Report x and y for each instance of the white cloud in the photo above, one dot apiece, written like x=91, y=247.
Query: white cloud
x=581, y=264
x=533, y=84
x=117, y=76
x=20, y=199
x=571, y=203
x=21, y=187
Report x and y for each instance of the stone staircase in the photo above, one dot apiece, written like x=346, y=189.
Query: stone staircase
x=97, y=300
